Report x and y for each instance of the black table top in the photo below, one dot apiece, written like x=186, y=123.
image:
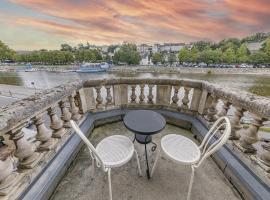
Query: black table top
x=144, y=122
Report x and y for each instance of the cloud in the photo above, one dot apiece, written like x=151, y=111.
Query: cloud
x=114, y=21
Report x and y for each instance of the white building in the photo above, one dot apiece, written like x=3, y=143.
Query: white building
x=172, y=47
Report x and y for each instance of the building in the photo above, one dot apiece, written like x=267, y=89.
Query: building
x=172, y=47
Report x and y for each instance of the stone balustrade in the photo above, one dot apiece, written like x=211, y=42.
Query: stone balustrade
x=51, y=111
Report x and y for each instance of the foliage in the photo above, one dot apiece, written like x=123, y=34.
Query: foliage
x=184, y=55
x=171, y=58
x=158, y=58
x=127, y=54
x=5, y=52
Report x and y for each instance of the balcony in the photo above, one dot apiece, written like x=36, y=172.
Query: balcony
x=51, y=162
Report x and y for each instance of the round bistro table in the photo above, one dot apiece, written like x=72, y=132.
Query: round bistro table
x=144, y=123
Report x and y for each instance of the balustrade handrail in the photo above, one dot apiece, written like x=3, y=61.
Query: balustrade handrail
x=20, y=111
x=17, y=112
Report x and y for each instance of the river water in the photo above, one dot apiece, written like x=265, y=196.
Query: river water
x=258, y=84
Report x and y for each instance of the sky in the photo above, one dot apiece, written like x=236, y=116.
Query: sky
x=37, y=24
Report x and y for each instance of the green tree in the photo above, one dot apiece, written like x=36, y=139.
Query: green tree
x=158, y=58
x=66, y=47
x=229, y=56
x=259, y=57
x=242, y=54
x=171, y=58
x=202, y=45
x=127, y=54
x=6, y=52
x=184, y=55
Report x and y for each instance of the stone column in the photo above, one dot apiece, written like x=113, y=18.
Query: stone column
x=185, y=100
x=263, y=159
x=25, y=150
x=150, y=95
x=142, y=96
x=224, y=109
x=133, y=94
x=175, y=97
x=250, y=136
x=109, y=96
x=196, y=98
x=212, y=110
x=235, y=122
x=74, y=109
x=66, y=115
x=44, y=135
x=163, y=95
x=120, y=94
x=99, y=98
x=9, y=179
x=56, y=124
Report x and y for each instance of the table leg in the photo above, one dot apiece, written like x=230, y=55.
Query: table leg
x=147, y=165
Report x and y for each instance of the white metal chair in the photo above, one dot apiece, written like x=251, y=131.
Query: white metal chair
x=113, y=151
x=184, y=151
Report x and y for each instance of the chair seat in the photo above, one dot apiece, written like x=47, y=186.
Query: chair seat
x=115, y=150
x=180, y=149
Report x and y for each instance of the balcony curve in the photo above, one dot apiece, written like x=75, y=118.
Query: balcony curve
x=191, y=104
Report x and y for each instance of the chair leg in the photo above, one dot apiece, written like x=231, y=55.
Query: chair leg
x=138, y=163
x=110, y=183
x=155, y=163
x=191, y=182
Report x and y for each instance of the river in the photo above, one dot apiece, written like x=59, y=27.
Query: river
x=258, y=84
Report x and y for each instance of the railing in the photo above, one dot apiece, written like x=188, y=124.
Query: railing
x=51, y=110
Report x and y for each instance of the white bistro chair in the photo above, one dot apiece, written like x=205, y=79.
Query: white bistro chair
x=184, y=151
x=113, y=151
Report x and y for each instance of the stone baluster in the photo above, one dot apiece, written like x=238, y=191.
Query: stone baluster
x=249, y=136
x=224, y=109
x=175, y=97
x=212, y=110
x=142, y=96
x=75, y=115
x=109, y=95
x=235, y=122
x=65, y=113
x=25, y=150
x=185, y=100
x=9, y=178
x=263, y=159
x=56, y=124
x=44, y=135
x=99, y=98
x=78, y=102
x=133, y=94
x=150, y=94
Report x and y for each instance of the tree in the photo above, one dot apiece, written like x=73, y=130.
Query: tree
x=158, y=58
x=6, y=52
x=183, y=55
x=127, y=54
x=229, y=56
x=259, y=58
x=171, y=58
x=242, y=54
x=66, y=47
x=202, y=45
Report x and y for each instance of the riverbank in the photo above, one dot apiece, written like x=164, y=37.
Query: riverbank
x=190, y=70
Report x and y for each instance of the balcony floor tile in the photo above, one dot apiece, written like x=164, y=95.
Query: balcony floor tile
x=170, y=181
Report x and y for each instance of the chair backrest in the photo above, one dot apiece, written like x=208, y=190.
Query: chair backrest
x=91, y=148
x=210, y=143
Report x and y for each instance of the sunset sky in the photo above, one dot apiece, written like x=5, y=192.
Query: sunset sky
x=36, y=24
